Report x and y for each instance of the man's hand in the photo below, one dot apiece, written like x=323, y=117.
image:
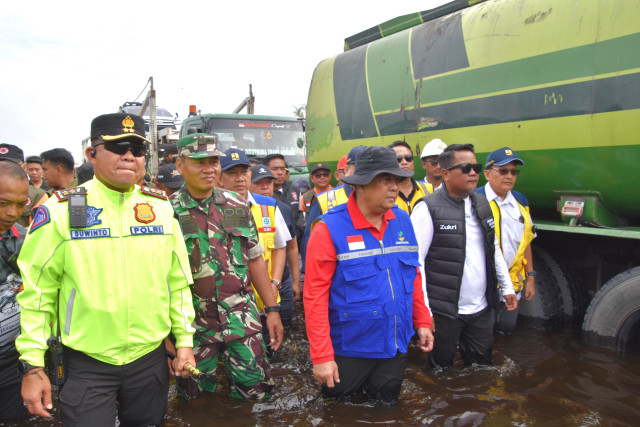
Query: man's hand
x=326, y=373
x=511, y=302
x=36, y=392
x=276, y=330
x=530, y=288
x=184, y=355
x=168, y=345
x=295, y=286
x=425, y=339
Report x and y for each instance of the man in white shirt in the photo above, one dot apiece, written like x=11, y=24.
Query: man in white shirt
x=464, y=271
x=514, y=228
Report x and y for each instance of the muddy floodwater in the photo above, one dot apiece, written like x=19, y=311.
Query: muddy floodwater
x=539, y=379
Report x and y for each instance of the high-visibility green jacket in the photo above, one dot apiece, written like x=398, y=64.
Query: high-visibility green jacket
x=123, y=280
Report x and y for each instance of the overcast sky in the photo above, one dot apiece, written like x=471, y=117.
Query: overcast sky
x=63, y=63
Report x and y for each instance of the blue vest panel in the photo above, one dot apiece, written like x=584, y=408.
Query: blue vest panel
x=371, y=298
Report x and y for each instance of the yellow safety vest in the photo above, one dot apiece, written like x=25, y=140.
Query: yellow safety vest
x=423, y=189
x=332, y=198
x=516, y=269
x=265, y=219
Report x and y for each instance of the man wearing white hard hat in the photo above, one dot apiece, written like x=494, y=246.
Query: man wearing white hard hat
x=430, y=155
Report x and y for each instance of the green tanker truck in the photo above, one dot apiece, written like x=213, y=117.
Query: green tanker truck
x=556, y=80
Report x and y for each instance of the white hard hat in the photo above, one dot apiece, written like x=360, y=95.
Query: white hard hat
x=433, y=148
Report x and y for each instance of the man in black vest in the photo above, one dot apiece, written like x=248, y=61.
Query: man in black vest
x=466, y=274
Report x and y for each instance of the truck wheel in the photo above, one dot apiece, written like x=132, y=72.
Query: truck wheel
x=574, y=296
x=613, y=317
x=544, y=311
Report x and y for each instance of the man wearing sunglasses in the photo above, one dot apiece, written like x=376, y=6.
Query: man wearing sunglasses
x=320, y=177
x=411, y=191
x=465, y=271
x=106, y=269
x=513, y=225
x=431, y=163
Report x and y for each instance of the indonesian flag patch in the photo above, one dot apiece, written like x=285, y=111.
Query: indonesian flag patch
x=355, y=243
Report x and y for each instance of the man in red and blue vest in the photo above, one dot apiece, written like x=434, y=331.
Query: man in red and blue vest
x=363, y=294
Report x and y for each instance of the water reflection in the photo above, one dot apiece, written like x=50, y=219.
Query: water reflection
x=539, y=378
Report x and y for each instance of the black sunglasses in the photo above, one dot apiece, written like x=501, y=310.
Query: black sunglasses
x=504, y=172
x=465, y=168
x=121, y=147
x=406, y=157
x=321, y=175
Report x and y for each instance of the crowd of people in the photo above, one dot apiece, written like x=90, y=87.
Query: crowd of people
x=389, y=261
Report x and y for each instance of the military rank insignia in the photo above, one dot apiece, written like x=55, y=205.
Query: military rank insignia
x=154, y=192
x=63, y=195
x=144, y=213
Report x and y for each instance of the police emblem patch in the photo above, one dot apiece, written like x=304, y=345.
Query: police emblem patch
x=40, y=218
x=144, y=213
x=92, y=216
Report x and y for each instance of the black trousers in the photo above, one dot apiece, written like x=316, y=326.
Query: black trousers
x=88, y=397
x=11, y=405
x=378, y=379
x=472, y=332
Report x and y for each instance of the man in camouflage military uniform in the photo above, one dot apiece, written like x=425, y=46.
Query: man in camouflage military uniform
x=223, y=246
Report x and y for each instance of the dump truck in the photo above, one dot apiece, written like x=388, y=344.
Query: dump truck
x=558, y=81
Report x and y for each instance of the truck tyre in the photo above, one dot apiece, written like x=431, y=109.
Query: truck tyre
x=613, y=317
x=544, y=311
x=574, y=296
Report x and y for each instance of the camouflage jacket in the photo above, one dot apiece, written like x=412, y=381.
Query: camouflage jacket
x=221, y=238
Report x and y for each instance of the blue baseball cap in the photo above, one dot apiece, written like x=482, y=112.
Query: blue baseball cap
x=351, y=157
x=501, y=157
x=234, y=157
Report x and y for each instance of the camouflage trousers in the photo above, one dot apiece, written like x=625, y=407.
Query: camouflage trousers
x=244, y=360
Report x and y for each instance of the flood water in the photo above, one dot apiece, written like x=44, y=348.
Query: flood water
x=539, y=379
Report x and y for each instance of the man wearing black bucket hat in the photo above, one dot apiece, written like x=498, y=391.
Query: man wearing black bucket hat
x=363, y=293
x=106, y=272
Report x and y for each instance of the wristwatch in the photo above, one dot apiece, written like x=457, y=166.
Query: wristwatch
x=277, y=283
x=24, y=367
x=271, y=309
x=532, y=274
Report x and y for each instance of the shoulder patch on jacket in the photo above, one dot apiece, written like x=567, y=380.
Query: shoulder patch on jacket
x=154, y=192
x=41, y=218
x=63, y=195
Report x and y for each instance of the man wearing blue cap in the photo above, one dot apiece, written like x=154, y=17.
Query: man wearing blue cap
x=273, y=232
x=513, y=225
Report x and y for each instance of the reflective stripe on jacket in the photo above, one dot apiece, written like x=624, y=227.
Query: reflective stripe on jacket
x=517, y=267
x=421, y=189
x=123, y=280
x=371, y=298
x=264, y=215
